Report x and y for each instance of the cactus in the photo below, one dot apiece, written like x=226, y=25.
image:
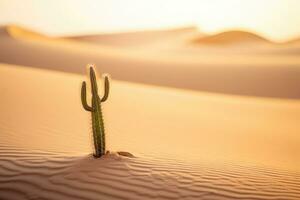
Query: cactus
x=95, y=109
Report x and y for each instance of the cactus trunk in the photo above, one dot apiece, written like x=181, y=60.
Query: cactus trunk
x=98, y=127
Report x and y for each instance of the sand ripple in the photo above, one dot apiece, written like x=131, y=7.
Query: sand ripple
x=44, y=175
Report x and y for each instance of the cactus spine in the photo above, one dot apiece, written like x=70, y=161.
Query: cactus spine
x=95, y=109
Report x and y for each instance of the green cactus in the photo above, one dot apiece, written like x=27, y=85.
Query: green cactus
x=95, y=109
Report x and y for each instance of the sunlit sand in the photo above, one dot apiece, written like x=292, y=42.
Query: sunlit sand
x=219, y=125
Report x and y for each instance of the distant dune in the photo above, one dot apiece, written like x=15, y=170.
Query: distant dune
x=264, y=75
x=137, y=38
x=17, y=31
x=231, y=37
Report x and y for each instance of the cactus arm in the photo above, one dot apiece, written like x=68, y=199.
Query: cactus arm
x=83, y=98
x=106, y=89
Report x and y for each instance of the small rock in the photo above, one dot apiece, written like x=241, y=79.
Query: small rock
x=126, y=154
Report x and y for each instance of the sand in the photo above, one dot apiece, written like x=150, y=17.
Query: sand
x=188, y=144
x=43, y=175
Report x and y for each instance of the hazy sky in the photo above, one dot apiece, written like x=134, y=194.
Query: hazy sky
x=276, y=19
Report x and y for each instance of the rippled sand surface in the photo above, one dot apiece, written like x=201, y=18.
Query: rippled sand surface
x=44, y=175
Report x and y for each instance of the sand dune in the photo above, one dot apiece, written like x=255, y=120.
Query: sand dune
x=15, y=31
x=188, y=145
x=266, y=75
x=141, y=38
x=231, y=37
x=159, y=111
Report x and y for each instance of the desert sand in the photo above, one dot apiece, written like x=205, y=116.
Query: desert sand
x=236, y=69
x=235, y=138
